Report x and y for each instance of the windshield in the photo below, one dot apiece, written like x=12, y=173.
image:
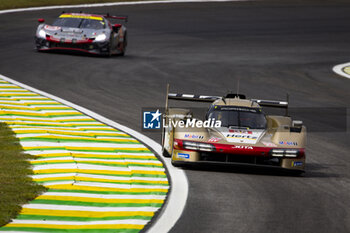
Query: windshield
x=240, y=117
x=79, y=23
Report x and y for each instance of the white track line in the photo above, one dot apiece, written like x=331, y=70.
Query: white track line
x=339, y=69
x=175, y=204
x=111, y=4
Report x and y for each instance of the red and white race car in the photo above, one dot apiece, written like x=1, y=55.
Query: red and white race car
x=89, y=33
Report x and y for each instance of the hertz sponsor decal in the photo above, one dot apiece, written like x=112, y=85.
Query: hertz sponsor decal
x=250, y=136
x=99, y=179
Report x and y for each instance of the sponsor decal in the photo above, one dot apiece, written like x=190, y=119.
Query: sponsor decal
x=243, y=136
x=81, y=16
x=297, y=163
x=240, y=131
x=188, y=123
x=193, y=136
x=155, y=119
x=231, y=108
x=288, y=143
x=183, y=155
x=151, y=119
x=243, y=147
x=269, y=144
x=213, y=139
x=52, y=28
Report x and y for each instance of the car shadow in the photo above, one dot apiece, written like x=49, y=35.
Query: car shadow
x=312, y=170
x=317, y=170
x=80, y=54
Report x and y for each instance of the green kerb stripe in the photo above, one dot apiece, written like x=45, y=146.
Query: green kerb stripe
x=52, y=230
x=106, y=192
x=96, y=204
x=62, y=218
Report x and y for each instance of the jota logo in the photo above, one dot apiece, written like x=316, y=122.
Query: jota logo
x=151, y=120
x=243, y=147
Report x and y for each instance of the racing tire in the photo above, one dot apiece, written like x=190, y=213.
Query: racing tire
x=125, y=43
x=109, y=54
x=174, y=164
x=166, y=153
x=299, y=174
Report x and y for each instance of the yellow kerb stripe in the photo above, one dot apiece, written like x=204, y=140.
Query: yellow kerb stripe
x=92, y=188
x=121, y=156
x=106, y=149
x=79, y=213
x=95, y=162
x=51, y=171
x=98, y=180
x=99, y=226
x=347, y=70
x=98, y=200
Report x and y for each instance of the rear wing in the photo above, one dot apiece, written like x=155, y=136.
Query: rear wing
x=125, y=18
x=204, y=98
x=272, y=103
x=198, y=98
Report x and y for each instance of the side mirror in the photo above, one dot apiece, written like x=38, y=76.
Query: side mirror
x=116, y=27
x=296, y=123
x=41, y=20
x=296, y=127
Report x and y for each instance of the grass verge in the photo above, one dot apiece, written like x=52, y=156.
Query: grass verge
x=11, y=4
x=16, y=187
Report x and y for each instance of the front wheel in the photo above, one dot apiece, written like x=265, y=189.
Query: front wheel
x=109, y=54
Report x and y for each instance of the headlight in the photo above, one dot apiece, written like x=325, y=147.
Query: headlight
x=284, y=153
x=198, y=146
x=101, y=37
x=42, y=34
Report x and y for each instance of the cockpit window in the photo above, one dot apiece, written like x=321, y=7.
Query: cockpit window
x=79, y=23
x=240, y=117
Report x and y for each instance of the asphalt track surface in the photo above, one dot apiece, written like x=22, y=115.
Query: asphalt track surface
x=203, y=48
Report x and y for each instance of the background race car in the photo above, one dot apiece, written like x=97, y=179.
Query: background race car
x=88, y=33
x=235, y=131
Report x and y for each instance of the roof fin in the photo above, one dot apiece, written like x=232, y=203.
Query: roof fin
x=238, y=86
x=223, y=100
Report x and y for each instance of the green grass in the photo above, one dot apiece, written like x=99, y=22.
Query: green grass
x=16, y=187
x=11, y=4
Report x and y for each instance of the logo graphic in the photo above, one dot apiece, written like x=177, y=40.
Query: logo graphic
x=183, y=155
x=194, y=136
x=269, y=144
x=214, y=139
x=243, y=147
x=289, y=143
x=297, y=164
x=151, y=120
